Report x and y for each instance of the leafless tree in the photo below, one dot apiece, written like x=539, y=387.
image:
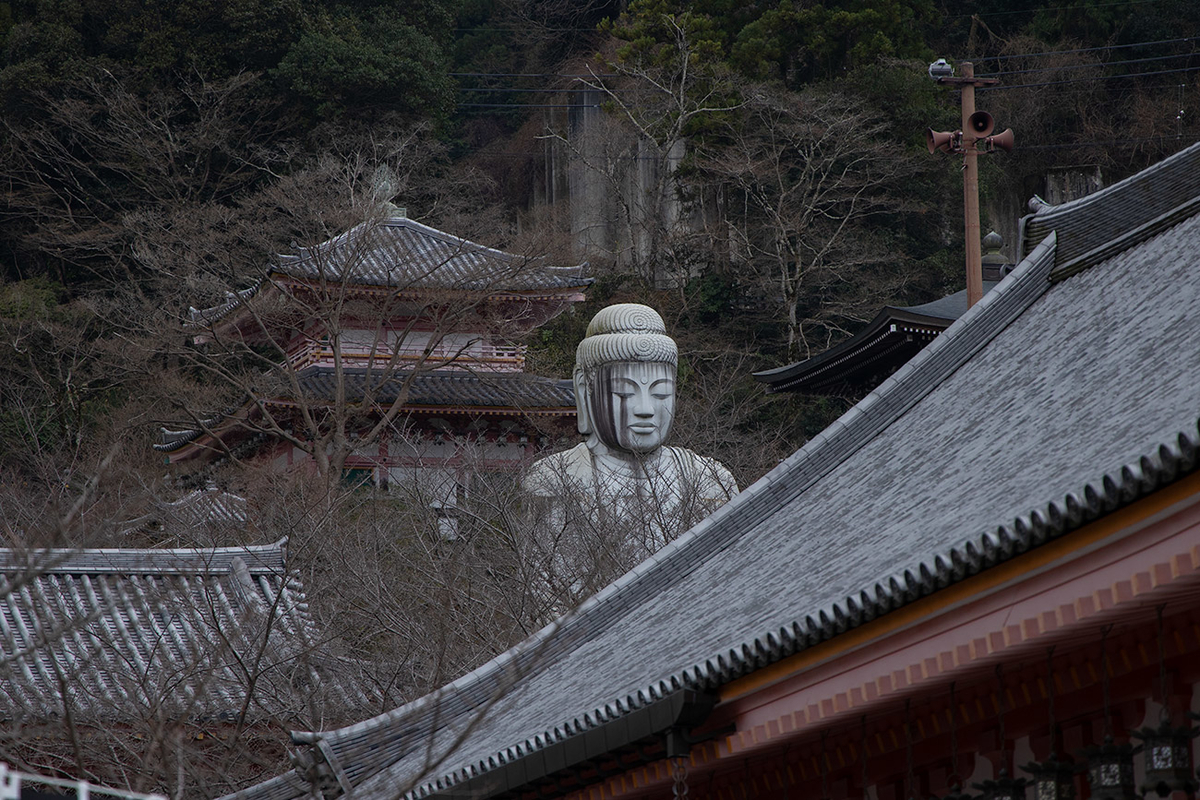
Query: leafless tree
x=807, y=179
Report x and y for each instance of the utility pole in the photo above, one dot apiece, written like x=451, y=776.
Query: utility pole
x=977, y=127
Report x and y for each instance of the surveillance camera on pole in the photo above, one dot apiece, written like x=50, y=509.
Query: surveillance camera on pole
x=941, y=69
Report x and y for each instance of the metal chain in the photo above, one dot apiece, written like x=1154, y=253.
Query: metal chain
x=865, y=773
x=1050, y=700
x=824, y=768
x=1003, y=706
x=679, y=775
x=1104, y=670
x=1164, y=715
x=953, y=735
x=911, y=775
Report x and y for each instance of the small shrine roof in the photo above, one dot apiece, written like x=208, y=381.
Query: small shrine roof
x=129, y=630
x=1045, y=406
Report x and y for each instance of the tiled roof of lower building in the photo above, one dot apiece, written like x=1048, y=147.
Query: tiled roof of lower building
x=447, y=389
x=444, y=391
x=1043, y=407
x=190, y=633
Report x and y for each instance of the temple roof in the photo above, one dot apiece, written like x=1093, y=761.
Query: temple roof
x=404, y=253
x=443, y=391
x=185, y=631
x=1046, y=405
x=400, y=253
x=855, y=366
x=507, y=392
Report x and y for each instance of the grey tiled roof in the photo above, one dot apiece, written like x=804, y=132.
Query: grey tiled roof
x=448, y=388
x=404, y=253
x=175, y=631
x=1044, y=406
x=1087, y=224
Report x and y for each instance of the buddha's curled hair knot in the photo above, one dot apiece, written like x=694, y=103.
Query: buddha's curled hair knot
x=626, y=332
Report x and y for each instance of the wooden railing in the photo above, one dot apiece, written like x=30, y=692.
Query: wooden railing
x=490, y=357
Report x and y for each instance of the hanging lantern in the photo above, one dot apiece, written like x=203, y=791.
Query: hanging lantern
x=1110, y=770
x=1168, y=752
x=1052, y=779
x=1003, y=788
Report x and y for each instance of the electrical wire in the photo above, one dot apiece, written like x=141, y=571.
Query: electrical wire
x=1058, y=8
x=1099, y=49
x=524, y=105
x=525, y=75
x=1093, y=65
x=502, y=89
x=1109, y=143
x=1004, y=87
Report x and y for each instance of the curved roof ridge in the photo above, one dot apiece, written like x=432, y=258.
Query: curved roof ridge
x=1149, y=175
x=429, y=230
x=265, y=559
x=428, y=257
x=1104, y=216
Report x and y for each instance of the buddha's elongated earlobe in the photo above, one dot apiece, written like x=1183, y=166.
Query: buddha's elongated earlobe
x=582, y=402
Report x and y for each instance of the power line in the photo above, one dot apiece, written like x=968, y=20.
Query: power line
x=1059, y=8
x=524, y=105
x=525, y=75
x=1095, y=65
x=512, y=90
x=1086, y=49
x=1087, y=80
x=1108, y=143
x=491, y=28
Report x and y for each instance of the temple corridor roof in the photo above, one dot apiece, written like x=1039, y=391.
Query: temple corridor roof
x=1046, y=405
x=860, y=363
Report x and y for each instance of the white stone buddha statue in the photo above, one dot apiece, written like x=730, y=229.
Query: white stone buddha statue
x=624, y=474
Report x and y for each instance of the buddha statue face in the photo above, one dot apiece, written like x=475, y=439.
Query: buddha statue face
x=632, y=405
x=625, y=379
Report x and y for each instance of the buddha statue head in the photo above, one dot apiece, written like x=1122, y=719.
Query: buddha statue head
x=625, y=371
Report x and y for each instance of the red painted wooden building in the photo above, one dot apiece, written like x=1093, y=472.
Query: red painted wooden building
x=392, y=313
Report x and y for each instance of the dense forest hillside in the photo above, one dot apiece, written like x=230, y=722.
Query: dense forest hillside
x=755, y=170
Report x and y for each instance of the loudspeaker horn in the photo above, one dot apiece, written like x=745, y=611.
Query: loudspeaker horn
x=939, y=140
x=981, y=124
x=1001, y=141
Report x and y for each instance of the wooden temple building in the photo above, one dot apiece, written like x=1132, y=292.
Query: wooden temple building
x=392, y=317
x=857, y=365
x=986, y=573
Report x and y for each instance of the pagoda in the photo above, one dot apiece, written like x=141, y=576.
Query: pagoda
x=411, y=334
